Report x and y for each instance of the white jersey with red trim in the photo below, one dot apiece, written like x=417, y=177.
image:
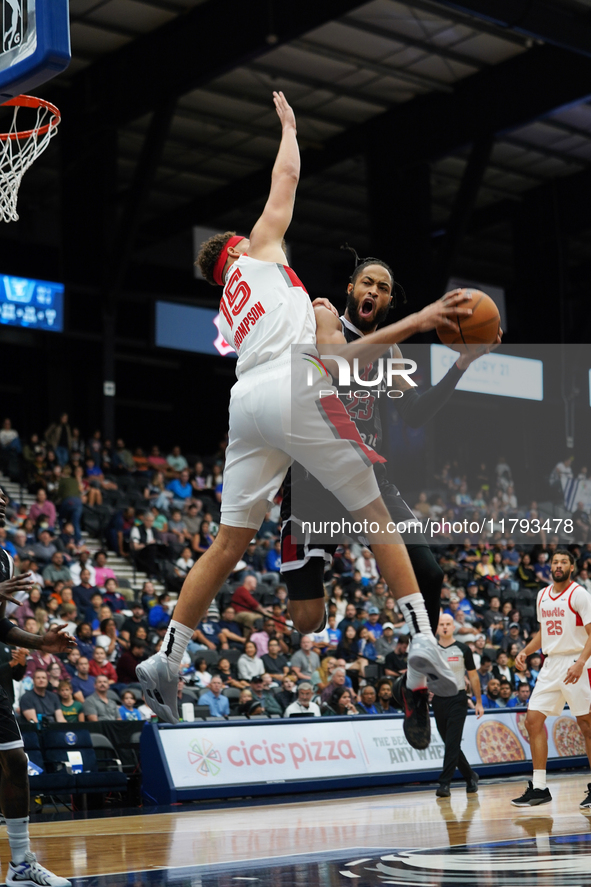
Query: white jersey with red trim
x=264, y=309
x=562, y=617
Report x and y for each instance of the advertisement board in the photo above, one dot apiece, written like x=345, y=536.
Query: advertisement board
x=205, y=756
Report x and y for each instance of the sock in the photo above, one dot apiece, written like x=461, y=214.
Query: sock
x=415, y=680
x=412, y=607
x=18, y=838
x=539, y=780
x=175, y=643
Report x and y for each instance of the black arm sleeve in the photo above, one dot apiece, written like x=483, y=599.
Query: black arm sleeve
x=416, y=409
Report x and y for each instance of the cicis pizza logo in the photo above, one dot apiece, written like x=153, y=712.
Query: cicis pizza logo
x=205, y=757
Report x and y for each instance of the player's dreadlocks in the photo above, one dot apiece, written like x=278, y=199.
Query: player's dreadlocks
x=362, y=264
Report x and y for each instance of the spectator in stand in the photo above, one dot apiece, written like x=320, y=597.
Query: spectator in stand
x=42, y=507
x=219, y=705
x=45, y=548
x=28, y=609
x=159, y=612
x=247, y=608
x=501, y=669
x=123, y=462
x=176, y=462
x=261, y=638
x=99, y=706
x=339, y=678
x=521, y=697
x=395, y=663
x=102, y=571
x=478, y=649
x=273, y=559
x=181, y=490
x=274, y=661
x=59, y=437
x=85, y=640
x=386, y=643
x=305, y=661
x=127, y=709
x=193, y=519
x=84, y=562
x=69, y=497
x=9, y=439
x=350, y=618
x=57, y=570
x=373, y=625
x=581, y=524
x=133, y=622
x=249, y=664
x=143, y=545
x=228, y=674
x=99, y=665
x=183, y=697
x=71, y=662
x=184, y=563
x=253, y=559
x=511, y=556
x=505, y=694
x=38, y=661
x=340, y=703
x=534, y=664
x=82, y=682
x=484, y=671
x=41, y=701
x=204, y=538
x=384, y=703
x=287, y=694
x=491, y=694
x=104, y=612
x=512, y=637
x=303, y=704
x=367, y=704
x=231, y=630
x=584, y=580
x=367, y=566
x=201, y=676
x=129, y=660
x=542, y=569
x=72, y=710
x=108, y=638
x=525, y=573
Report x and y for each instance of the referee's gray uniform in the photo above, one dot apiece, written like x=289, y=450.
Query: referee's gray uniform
x=450, y=712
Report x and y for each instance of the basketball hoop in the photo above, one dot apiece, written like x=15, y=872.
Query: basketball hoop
x=19, y=149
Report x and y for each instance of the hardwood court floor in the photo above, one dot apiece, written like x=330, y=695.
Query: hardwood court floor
x=347, y=829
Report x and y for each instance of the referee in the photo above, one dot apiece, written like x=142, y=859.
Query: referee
x=450, y=711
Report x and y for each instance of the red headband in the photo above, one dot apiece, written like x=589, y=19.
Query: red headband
x=218, y=268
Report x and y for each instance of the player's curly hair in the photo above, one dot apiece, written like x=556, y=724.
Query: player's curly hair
x=362, y=264
x=566, y=553
x=210, y=253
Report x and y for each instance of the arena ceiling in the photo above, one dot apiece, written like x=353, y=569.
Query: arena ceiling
x=494, y=95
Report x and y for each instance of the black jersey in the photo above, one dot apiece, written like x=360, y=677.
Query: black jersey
x=364, y=411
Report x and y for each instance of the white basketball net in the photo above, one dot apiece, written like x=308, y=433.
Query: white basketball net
x=19, y=150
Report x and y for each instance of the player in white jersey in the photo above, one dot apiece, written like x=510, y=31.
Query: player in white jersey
x=273, y=420
x=564, y=614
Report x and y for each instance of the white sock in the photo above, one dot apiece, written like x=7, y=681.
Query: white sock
x=412, y=607
x=18, y=838
x=415, y=680
x=175, y=643
x=539, y=779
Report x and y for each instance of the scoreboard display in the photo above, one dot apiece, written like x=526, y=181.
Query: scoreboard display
x=31, y=304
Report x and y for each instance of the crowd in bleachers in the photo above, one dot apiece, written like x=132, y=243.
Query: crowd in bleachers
x=160, y=512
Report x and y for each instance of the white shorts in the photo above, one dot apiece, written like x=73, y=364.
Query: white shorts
x=551, y=693
x=276, y=419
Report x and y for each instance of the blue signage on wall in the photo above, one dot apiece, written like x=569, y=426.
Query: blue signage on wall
x=32, y=304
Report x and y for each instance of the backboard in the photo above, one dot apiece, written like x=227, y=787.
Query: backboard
x=35, y=43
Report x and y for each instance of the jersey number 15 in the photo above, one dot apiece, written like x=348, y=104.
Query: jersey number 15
x=237, y=294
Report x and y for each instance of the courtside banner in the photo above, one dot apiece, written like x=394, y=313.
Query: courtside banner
x=196, y=759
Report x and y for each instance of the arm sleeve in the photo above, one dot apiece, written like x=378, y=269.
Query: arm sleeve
x=416, y=409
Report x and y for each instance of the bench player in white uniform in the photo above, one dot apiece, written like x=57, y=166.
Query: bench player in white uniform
x=275, y=418
x=564, y=614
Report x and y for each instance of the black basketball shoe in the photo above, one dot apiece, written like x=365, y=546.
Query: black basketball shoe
x=6, y=566
x=586, y=804
x=417, y=723
x=472, y=784
x=533, y=797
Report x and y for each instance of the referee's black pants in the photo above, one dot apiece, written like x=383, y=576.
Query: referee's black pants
x=450, y=714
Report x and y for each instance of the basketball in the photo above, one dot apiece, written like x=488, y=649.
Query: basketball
x=481, y=328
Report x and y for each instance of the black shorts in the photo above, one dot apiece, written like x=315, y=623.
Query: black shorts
x=297, y=547
x=10, y=734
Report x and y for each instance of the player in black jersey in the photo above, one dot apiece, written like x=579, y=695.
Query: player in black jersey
x=23, y=868
x=370, y=295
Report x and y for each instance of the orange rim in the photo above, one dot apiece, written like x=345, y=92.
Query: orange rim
x=30, y=101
